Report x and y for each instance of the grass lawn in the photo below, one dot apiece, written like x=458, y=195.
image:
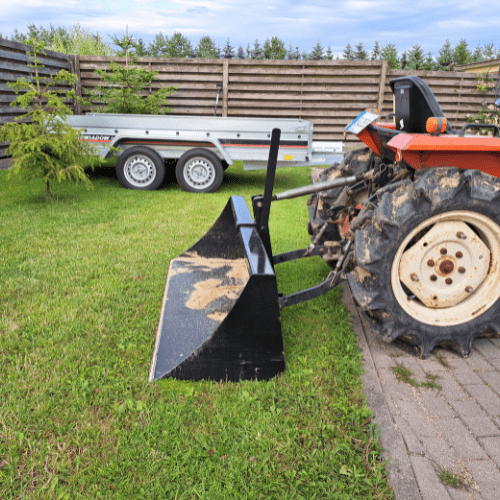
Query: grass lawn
x=81, y=285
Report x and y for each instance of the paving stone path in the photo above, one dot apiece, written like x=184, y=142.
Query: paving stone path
x=428, y=430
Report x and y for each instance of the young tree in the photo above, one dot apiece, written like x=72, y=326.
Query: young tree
x=228, y=51
x=329, y=53
x=274, y=48
x=206, y=48
x=348, y=53
x=461, y=53
x=316, y=52
x=47, y=147
x=125, y=85
x=445, y=58
x=360, y=53
x=390, y=54
x=375, y=55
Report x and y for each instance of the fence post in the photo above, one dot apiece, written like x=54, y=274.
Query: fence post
x=381, y=89
x=225, y=84
x=75, y=69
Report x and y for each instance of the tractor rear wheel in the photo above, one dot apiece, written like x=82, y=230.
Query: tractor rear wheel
x=428, y=260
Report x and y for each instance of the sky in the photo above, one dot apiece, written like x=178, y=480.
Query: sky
x=299, y=24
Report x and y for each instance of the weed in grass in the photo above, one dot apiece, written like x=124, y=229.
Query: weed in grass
x=404, y=375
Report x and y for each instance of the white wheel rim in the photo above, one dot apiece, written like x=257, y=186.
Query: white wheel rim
x=473, y=283
x=199, y=173
x=139, y=170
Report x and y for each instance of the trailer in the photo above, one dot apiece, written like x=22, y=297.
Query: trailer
x=204, y=147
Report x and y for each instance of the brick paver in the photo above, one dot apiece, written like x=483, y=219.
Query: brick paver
x=425, y=430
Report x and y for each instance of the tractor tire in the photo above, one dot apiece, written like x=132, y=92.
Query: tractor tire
x=427, y=261
x=199, y=171
x=354, y=162
x=140, y=167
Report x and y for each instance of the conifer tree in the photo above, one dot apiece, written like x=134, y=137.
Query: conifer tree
x=445, y=58
x=274, y=49
x=477, y=55
x=178, y=46
x=390, y=54
x=293, y=54
x=257, y=52
x=348, y=53
x=47, y=147
x=241, y=53
x=228, y=51
x=206, y=48
x=158, y=47
x=329, y=53
x=316, y=52
x=403, y=60
x=360, y=53
x=124, y=89
x=489, y=51
x=429, y=64
x=375, y=55
x=415, y=58
x=461, y=53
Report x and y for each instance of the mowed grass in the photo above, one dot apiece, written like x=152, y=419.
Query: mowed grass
x=81, y=286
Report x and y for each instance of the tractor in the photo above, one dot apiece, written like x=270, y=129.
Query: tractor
x=411, y=222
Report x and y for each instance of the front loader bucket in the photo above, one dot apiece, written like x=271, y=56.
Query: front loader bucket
x=220, y=317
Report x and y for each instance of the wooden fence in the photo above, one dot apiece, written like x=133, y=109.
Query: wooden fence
x=14, y=62
x=328, y=93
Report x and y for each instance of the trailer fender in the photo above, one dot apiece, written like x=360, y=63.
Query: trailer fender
x=150, y=140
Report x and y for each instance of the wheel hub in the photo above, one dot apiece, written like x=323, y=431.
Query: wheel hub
x=139, y=170
x=199, y=172
x=445, y=265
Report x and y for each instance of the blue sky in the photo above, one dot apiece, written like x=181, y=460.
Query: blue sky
x=335, y=23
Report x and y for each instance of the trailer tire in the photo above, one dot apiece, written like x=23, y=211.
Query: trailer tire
x=140, y=167
x=199, y=171
x=428, y=260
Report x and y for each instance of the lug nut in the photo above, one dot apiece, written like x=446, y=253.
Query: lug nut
x=443, y=251
x=448, y=281
x=459, y=255
x=461, y=270
x=461, y=235
x=469, y=289
x=414, y=277
x=430, y=263
x=434, y=277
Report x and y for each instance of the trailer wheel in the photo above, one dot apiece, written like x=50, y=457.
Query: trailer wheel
x=140, y=167
x=199, y=171
x=428, y=261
